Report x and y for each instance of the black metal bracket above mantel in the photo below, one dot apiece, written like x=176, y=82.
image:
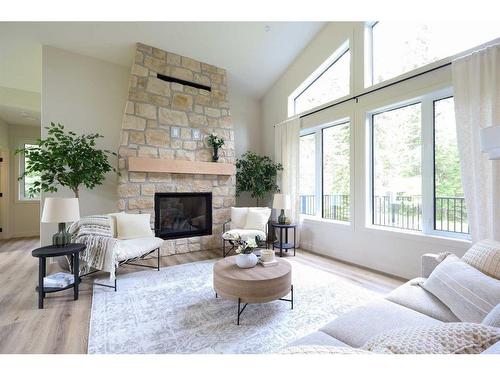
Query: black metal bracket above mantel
x=183, y=82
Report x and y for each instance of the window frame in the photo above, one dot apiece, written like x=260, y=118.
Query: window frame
x=318, y=77
x=427, y=168
x=317, y=73
x=318, y=133
x=21, y=186
x=368, y=59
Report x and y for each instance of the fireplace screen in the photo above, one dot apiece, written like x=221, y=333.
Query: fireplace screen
x=179, y=215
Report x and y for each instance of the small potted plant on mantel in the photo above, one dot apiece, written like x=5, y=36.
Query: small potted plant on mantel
x=215, y=142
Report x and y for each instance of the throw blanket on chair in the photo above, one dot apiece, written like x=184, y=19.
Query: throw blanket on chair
x=95, y=232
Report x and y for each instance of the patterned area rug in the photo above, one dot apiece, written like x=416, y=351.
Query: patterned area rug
x=175, y=311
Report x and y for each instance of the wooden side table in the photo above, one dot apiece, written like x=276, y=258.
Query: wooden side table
x=284, y=244
x=73, y=250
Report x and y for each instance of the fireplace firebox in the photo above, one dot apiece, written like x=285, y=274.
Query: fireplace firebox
x=180, y=215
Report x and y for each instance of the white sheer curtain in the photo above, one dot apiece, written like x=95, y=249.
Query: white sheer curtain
x=476, y=82
x=286, y=137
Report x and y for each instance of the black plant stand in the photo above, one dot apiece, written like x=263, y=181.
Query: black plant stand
x=72, y=250
x=282, y=243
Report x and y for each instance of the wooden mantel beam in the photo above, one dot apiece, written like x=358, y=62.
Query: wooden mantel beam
x=179, y=166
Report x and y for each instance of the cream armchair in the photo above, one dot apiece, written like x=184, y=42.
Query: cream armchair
x=245, y=223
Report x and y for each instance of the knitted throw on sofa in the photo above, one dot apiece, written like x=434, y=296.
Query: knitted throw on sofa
x=95, y=232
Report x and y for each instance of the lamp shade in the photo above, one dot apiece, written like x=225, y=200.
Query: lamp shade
x=60, y=210
x=281, y=201
x=490, y=141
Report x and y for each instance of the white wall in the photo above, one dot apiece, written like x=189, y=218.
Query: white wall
x=388, y=251
x=4, y=179
x=4, y=134
x=245, y=111
x=86, y=95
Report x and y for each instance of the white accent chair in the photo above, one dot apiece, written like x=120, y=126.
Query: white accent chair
x=245, y=223
x=129, y=251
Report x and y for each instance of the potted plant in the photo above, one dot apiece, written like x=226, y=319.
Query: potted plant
x=256, y=174
x=66, y=159
x=215, y=142
x=244, y=248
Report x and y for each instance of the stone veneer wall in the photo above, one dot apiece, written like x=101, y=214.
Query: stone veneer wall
x=156, y=110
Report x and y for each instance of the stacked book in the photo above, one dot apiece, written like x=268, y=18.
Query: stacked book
x=58, y=280
x=268, y=264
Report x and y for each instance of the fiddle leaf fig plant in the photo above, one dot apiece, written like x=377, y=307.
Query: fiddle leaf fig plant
x=66, y=159
x=257, y=175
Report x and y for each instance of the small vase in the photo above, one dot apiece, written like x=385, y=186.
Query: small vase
x=246, y=260
x=215, y=156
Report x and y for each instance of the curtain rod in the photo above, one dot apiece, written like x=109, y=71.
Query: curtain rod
x=355, y=97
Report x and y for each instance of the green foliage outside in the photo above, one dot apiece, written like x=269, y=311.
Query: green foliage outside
x=65, y=159
x=257, y=175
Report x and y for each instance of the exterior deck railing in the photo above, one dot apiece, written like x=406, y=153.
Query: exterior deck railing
x=403, y=212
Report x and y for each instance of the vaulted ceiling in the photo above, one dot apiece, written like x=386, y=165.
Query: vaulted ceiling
x=255, y=54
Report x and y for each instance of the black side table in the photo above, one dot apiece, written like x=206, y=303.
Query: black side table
x=280, y=244
x=73, y=250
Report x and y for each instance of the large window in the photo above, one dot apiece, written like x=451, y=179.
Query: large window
x=336, y=172
x=398, y=47
x=397, y=172
x=414, y=188
x=449, y=207
x=325, y=187
x=29, y=180
x=332, y=83
x=307, y=169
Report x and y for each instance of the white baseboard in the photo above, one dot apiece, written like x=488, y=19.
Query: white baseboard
x=25, y=234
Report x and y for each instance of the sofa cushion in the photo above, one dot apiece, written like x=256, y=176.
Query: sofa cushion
x=244, y=234
x=493, y=317
x=112, y=223
x=362, y=323
x=468, y=293
x=257, y=218
x=444, y=338
x=238, y=217
x=129, y=226
x=413, y=296
x=129, y=249
x=485, y=256
x=317, y=338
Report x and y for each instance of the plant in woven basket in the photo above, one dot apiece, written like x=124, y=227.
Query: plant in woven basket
x=66, y=159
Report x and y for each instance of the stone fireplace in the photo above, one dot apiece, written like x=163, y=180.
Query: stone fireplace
x=174, y=103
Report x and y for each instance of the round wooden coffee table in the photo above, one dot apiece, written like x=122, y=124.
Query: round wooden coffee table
x=252, y=285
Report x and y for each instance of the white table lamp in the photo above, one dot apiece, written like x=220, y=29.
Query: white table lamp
x=490, y=141
x=281, y=202
x=61, y=211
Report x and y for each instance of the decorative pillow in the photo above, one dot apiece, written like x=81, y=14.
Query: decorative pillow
x=112, y=222
x=321, y=349
x=238, y=217
x=467, y=292
x=129, y=226
x=257, y=218
x=493, y=318
x=485, y=256
x=445, y=338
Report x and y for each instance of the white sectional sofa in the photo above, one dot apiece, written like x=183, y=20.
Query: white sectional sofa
x=406, y=306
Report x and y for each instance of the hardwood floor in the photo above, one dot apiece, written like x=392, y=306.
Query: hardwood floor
x=62, y=326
